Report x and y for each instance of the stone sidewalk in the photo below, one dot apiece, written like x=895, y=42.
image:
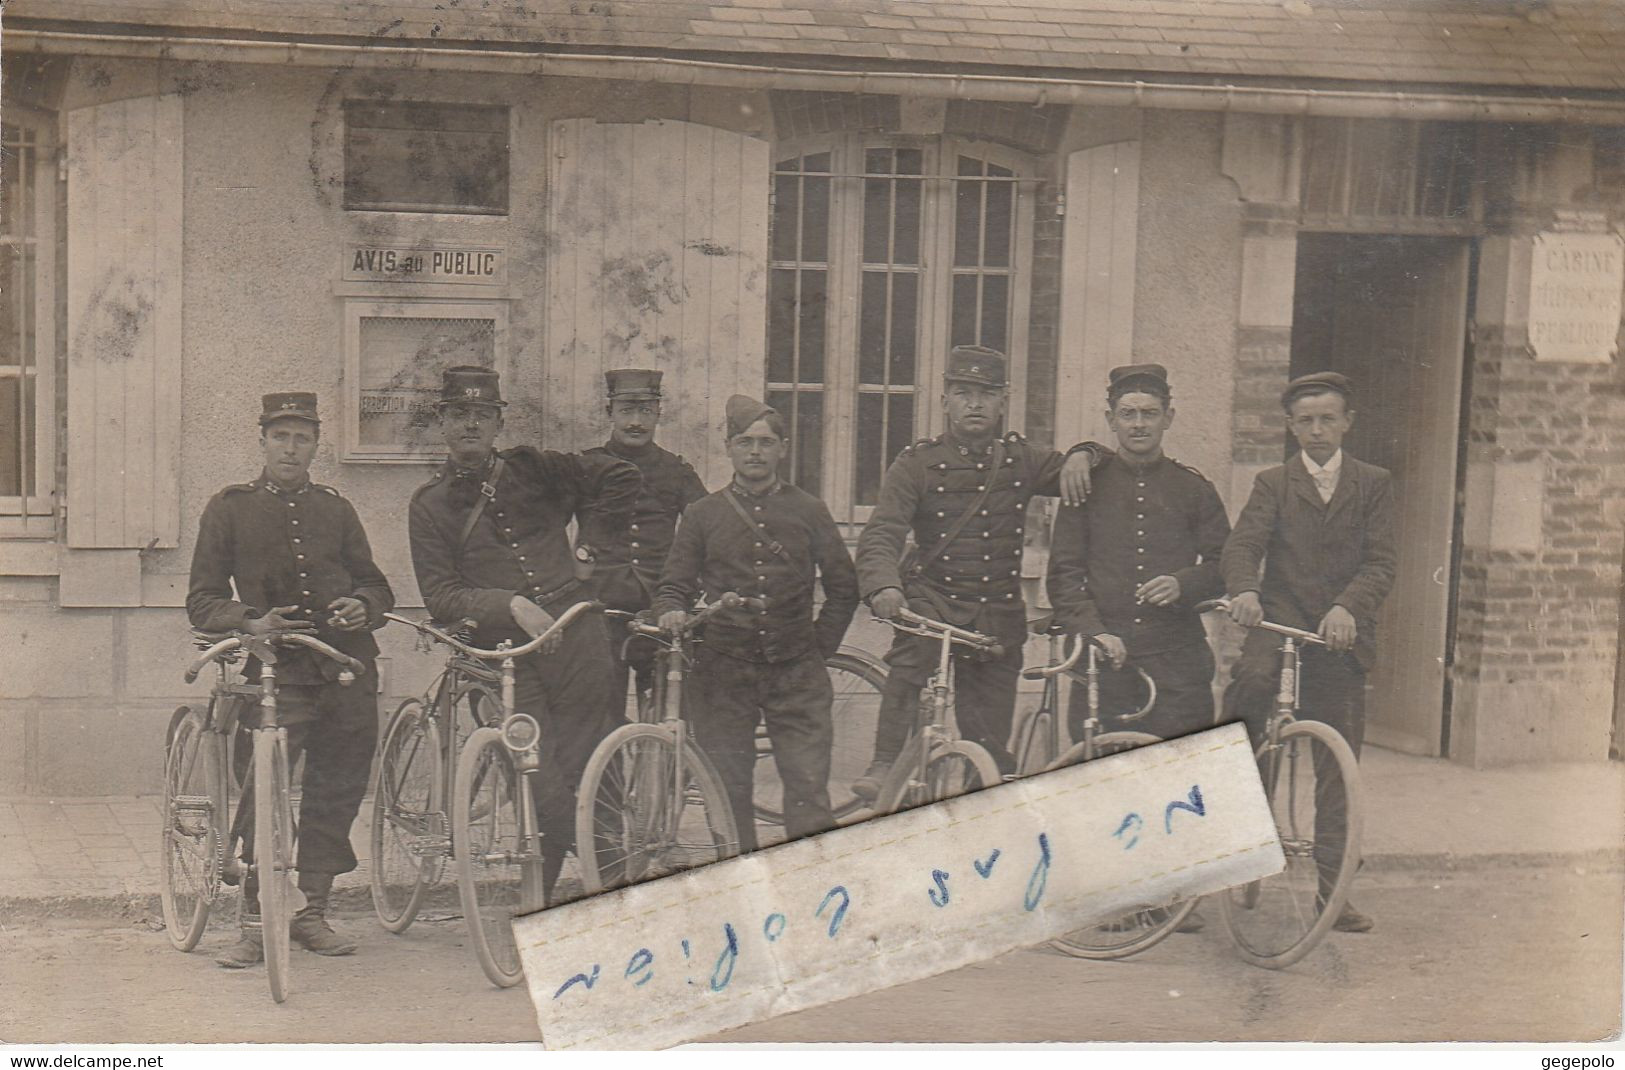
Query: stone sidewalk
x=94, y=853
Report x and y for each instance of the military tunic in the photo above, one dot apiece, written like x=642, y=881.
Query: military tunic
x=304, y=548
x=1141, y=522
x=519, y=545
x=629, y=570
x=974, y=582
x=765, y=664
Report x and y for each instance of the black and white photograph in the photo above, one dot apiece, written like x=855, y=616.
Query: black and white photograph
x=461, y=459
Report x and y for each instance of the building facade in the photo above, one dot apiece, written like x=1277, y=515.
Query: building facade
x=813, y=201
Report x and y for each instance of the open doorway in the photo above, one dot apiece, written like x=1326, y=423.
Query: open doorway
x=1391, y=313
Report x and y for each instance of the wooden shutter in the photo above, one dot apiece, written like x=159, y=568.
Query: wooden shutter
x=659, y=240
x=124, y=323
x=1099, y=236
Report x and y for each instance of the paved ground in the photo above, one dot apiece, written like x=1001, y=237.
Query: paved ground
x=1492, y=952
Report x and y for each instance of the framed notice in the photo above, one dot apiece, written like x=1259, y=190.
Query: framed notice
x=1575, y=285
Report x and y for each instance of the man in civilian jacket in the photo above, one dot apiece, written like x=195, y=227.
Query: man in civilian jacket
x=1321, y=527
x=764, y=539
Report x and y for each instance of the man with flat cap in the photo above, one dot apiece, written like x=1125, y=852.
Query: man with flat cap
x=300, y=561
x=628, y=570
x=762, y=538
x=489, y=544
x=1313, y=549
x=964, y=497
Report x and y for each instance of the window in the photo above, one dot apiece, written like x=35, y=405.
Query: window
x=884, y=254
x=27, y=323
x=395, y=353
x=1390, y=174
x=416, y=157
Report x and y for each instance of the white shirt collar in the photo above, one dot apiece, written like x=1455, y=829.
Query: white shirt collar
x=1331, y=468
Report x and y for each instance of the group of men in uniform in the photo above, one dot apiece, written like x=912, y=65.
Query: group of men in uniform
x=1139, y=540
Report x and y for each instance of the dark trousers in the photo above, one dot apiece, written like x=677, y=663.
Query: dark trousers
x=638, y=663
x=1184, y=679
x=336, y=729
x=794, y=698
x=1331, y=689
x=984, y=696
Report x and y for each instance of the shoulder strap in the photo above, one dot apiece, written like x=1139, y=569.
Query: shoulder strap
x=750, y=525
x=488, y=490
x=964, y=518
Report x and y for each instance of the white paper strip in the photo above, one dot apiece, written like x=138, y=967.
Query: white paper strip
x=898, y=898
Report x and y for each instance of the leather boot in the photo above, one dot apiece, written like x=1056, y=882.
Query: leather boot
x=249, y=950
x=309, y=928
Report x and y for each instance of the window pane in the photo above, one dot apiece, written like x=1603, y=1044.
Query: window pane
x=876, y=220
x=815, y=219
x=906, y=250
x=781, y=325
x=813, y=313
x=11, y=311
x=877, y=162
x=967, y=224
x=400, y=364
x=969, y=165
x=964, y=318
x=416, y=157
x=872, y=328
x=905, y=304
x=910, y=161
x=1000, y=202
x=899, y=426
x=996, y=312
x=818, y=161
x=786, y=207
x=803, y=412
x=868, y=462
x=16, y=436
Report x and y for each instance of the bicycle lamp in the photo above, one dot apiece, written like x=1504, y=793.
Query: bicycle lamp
x=520, y=733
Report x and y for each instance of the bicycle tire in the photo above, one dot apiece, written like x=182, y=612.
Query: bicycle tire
x=1144, y=927
x=408, y=816
x=626, y=831
x=274, y=852
x=858, y=680
x=956, y=767
x=191, y=852
x=1307, y=749
x=1032, y=750
x=491, y=860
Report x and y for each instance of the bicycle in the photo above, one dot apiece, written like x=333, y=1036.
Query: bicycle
x=469, y=744
x=1301, y=764
x=651, y=803
x=195, y=857
x=936, y=764
x=858, y=678
x=1042, y=734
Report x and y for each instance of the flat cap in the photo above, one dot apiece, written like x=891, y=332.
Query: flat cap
x=975, y=364
x=1317, y=383
x=1151, y=378
x=743, y=411
x=299, y=404
x=633, y=384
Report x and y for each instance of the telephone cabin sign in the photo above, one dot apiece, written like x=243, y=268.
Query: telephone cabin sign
x=425, y=263
x=1576, y=278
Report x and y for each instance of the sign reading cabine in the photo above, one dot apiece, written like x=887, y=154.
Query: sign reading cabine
x=420, y=263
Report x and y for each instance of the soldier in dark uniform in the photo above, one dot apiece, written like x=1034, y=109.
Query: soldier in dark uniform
x=628, y=571
x=489, y=544
x=1127, y=566
x=964, y=495
x=300, y=561
x=765, y=539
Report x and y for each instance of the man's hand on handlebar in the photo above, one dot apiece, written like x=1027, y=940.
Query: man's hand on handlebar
x=276, y=620
x=673, y=621
x=1245, y=609
x=534, y=620
x=1114, y=648
x=888, y=602
x=1337, y=627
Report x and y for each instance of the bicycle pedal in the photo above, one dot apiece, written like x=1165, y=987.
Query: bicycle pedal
x=429, y=846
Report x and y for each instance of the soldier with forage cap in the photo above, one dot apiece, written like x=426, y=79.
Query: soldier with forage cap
x=628, y=570
x=764, y=539
x=1320, y=528
x=489, y=544
x=300, y=561
x=964, y=497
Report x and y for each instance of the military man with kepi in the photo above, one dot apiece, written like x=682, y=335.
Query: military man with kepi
x=489, y=544
x=764, y=539
x=964, y=495
x=300, y=561
x=629, y=570
x=1127, y=566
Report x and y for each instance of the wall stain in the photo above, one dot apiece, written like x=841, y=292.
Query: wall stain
x=114, y=318
x=709, y=248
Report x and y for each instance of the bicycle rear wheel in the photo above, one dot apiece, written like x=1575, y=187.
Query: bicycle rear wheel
x=274, y=851
x=1310, y=776
x=192, y=853
x=495, y=868
x=410, y=838
x=1144, y=927
x=857, y=680
x=634, y=824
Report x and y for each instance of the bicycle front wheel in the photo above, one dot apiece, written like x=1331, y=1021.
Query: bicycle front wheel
x=957, y=768
x=1032, y=750
x=634, y=822
x=410, y=839
x=1312, y=781
x=1144, y=927
x=192, y=853
x=857, y=680
x=274, y=851
x=495, y=866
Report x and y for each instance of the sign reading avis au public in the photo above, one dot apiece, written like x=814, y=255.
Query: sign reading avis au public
x=1576, y=280
x=425, y=263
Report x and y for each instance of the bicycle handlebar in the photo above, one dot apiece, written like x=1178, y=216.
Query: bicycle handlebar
x=1078, y=646
x=234, y=642
x=913, y=623
x=1223, y=604
x=565, y=619
x=726, y=600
